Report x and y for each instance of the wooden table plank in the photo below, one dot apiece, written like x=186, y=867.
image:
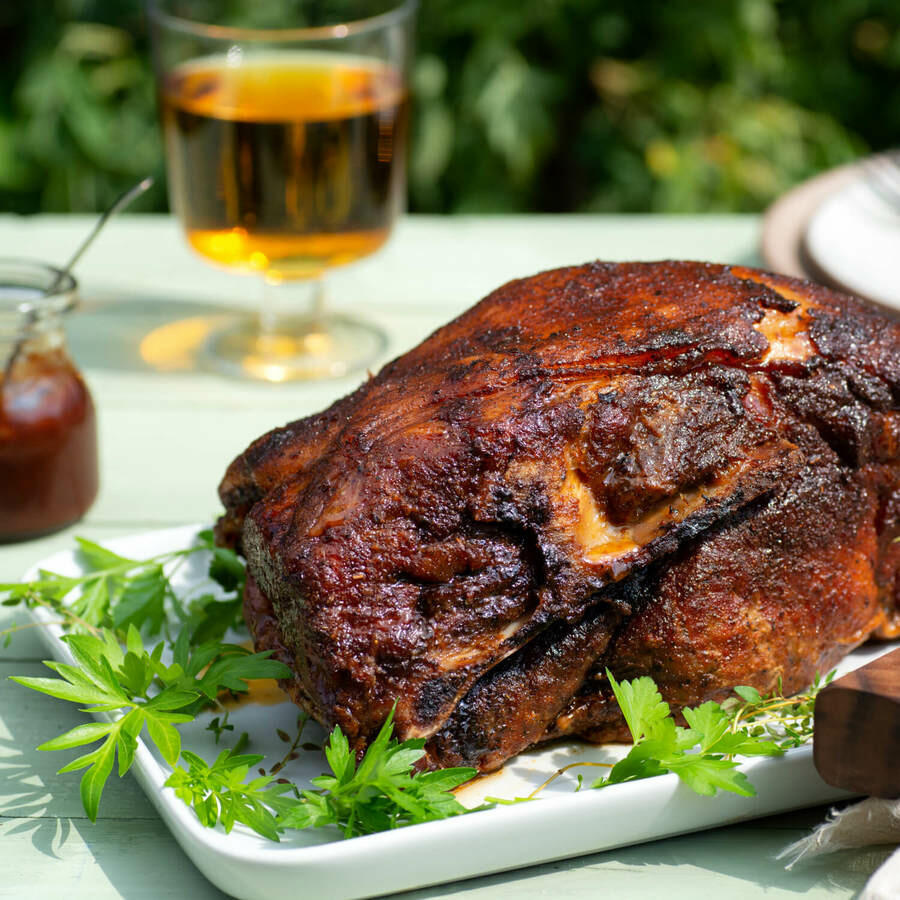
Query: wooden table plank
x=73, y=859
x=735, y=862
x=136, y=860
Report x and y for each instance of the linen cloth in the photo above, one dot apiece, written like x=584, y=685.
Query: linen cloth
x=872, y=821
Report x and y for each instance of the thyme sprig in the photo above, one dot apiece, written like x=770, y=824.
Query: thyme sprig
x=788, y=721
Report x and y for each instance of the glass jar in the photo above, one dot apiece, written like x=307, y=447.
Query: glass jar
x=48, y=427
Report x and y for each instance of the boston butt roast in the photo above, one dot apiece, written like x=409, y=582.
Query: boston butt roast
x=677, y=469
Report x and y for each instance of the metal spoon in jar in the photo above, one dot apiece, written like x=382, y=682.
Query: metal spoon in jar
x=118, y=204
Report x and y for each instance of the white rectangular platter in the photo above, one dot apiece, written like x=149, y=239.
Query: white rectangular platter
x=560, y=823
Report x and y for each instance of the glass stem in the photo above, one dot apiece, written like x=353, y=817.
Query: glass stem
x=287, y=303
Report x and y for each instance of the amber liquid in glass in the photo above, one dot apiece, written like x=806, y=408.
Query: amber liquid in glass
x=288, y=162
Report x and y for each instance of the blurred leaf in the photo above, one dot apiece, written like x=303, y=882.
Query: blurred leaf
x=682, y=105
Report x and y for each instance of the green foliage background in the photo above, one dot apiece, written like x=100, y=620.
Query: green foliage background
x=545, y=105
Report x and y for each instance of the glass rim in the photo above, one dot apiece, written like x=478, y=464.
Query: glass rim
x=338, y=31
x=58, y=287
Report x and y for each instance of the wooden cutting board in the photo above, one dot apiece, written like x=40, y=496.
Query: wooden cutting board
x=857, y=729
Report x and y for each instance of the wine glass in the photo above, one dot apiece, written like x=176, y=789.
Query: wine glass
x=285, y=129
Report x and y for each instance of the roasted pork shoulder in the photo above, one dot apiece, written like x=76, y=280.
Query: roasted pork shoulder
x=683, y=470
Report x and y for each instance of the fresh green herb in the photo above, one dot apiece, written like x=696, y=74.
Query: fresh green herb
x=220, y=794
x=145, y=693
x=701, y=755
x=219, y=727
x=788, y=721
x=116, y=592
x=380, y=793
x=211, y=616
x=302, y=719
x=242, y=743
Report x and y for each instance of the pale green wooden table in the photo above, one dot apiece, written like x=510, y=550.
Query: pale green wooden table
x=165, y=439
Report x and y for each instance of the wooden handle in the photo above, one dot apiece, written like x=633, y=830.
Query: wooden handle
x=856, y=741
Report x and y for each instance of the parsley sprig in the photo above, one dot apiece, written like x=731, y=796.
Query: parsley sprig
x=380, y=793
x=220, y=793
x=702, y=755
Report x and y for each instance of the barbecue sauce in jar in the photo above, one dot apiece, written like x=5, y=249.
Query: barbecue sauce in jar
x=48, y=429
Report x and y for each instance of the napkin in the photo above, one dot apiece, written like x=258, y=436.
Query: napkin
x=873, y=821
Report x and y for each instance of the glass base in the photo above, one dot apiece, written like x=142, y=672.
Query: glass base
x=303, y=348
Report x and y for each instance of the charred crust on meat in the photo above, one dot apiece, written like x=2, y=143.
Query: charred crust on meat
x=678, y=469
